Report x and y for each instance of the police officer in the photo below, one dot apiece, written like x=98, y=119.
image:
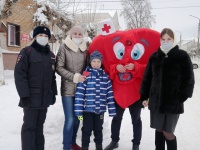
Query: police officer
x=35, y=81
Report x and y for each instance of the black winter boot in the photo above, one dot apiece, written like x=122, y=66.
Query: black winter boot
x=84, y=148
x=159, y=141
x=135, y=147
x=112, y=145
x=172, y=144
x=99, y=147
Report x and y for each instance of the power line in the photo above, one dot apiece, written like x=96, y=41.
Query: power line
x=175, y=7
x=119, y=1
x=158, y=8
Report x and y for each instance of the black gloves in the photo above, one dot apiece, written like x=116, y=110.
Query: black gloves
x=182, y=97
x=24, y=102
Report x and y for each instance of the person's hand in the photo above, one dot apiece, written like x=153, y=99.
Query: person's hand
x=81, y=78
x=145, y=103
x=80, y=118
x=25, y=101
x=130, y=66
x=121, y=68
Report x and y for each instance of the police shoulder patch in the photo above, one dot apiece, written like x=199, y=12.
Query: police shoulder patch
x=20, y=56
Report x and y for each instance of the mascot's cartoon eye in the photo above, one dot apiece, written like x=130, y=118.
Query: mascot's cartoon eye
x=119, y=50
x=137, y=51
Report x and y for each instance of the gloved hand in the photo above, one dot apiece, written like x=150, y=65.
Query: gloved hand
x=25, y=102
x=80, y=118
x=182, y=97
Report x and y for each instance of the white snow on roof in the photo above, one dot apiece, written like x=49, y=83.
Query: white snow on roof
x=2, y=3
x=47, y=3
x=39, y=16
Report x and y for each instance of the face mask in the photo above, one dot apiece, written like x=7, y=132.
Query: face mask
x=42, y=40
x=77, y=41
x=165, y=46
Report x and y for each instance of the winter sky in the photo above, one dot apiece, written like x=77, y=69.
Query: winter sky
x=173, y=14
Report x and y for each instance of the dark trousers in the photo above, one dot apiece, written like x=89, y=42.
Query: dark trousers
x=135, y=111
x=32, y=129
x=92, y=122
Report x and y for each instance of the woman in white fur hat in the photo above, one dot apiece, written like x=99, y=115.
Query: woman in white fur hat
x=70, y=63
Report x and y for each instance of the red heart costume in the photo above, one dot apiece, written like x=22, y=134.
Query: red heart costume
x=124, y=47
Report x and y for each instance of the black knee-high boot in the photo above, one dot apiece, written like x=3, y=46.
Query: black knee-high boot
x=159, y=141
x=171, y=144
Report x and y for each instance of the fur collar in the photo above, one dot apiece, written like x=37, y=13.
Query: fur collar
x=68, y=41
x=40, y=48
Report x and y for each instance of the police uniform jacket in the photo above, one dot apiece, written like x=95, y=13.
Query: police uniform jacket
x=168, y=81
x=35, y=75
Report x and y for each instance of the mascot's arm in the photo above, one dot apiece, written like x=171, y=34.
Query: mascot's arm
x=138, y=70
x=112, y=71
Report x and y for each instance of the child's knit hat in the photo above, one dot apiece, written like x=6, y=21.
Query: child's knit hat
x=96, y=54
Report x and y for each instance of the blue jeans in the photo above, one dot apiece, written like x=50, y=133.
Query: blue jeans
x=71, y=122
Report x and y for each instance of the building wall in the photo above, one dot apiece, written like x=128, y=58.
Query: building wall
x=9, y=60
x=3, y=39
x=96, y=18
x=22, y=15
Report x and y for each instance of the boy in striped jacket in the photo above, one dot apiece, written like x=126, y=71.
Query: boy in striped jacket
x=91, y=99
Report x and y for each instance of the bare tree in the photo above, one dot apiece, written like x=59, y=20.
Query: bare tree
x=137, y=13
x=86, y=18
x=81, y=13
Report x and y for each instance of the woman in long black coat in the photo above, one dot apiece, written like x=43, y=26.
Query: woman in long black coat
x=168, y=82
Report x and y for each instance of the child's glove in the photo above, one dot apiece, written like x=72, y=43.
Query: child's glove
x=80, y=118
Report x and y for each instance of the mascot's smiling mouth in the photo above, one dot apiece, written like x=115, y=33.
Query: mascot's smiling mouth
x=125, y=76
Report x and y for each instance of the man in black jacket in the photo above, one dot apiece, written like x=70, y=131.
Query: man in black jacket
x=35, y=81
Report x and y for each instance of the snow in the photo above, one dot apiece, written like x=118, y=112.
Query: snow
x=39, y=16
x=47, y=3
x=11, y=116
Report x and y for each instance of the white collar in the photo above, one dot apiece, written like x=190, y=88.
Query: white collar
x=68, y=41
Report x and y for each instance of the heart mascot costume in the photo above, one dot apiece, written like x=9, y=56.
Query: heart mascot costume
x=122, y=48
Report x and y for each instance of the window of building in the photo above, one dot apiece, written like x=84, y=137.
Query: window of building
x=13, y=35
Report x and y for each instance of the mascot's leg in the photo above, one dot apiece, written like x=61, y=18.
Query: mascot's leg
x=135, y=111
x=115, y=128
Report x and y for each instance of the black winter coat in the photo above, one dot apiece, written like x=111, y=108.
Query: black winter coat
x=168, y=81
x=35, y=76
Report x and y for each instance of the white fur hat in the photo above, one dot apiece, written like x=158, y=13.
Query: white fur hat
x=76, y=28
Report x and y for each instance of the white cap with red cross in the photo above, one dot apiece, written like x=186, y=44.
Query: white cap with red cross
x=106, y=27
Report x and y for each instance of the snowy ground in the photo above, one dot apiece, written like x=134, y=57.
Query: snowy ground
x=187, y=130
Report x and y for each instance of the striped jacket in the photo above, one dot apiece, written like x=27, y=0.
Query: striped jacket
x=94, y=94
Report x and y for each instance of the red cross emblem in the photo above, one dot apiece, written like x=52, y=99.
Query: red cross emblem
x=106, y=28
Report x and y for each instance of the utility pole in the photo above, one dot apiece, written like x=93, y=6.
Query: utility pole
x=198, y=48
x=180, y=37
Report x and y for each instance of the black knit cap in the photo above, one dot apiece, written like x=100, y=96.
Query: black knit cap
x=40, y=30
x=97, y=55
